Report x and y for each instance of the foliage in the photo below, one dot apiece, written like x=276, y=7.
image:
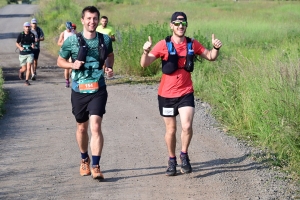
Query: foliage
x=3, y=94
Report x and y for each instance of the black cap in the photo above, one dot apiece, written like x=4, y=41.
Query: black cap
x=176, y=14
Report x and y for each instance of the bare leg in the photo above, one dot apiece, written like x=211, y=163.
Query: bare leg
x=28, y=69
x=186, y=118
x=67, y=74
x=34, y=66
x=82, y=136
x=97, y=139
x=170, y=136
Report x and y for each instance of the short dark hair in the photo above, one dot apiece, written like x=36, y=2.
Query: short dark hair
x=104, y=17
x=91, y=9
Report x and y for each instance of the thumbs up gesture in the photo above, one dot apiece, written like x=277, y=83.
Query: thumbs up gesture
x=216, y=42
x=147, y=45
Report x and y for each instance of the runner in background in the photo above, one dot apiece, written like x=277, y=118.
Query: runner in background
x=62, y=37
x=106, y=29
x=74, y=28
x=39, y=36
x=25, y=43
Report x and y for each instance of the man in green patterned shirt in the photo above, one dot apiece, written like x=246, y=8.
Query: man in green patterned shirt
x=89, y=94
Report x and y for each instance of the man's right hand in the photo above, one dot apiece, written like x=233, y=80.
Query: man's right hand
x=77, y=64
x=147, y=45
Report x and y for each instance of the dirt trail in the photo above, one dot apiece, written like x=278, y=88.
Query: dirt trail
x=40, y=158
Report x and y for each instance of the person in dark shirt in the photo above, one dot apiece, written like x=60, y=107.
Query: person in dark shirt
x=25, y=43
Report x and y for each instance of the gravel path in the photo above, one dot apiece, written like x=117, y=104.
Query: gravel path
x=40, y=158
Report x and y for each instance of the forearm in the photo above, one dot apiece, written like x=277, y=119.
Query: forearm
x=18, y=45
x=59, y=43
x=63, y=63
x=146, y=60
x=109, y=62
x=214, y=54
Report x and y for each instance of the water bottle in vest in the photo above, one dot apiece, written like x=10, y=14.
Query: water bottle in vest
x=189, y=64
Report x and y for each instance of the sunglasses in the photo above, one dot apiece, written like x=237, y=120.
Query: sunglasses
x=178, y=23
x=27, y=26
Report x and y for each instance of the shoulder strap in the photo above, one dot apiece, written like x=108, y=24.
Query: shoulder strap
x=101, y=39
x=170, y=46
x=80, y=39
x=22, y=37
x=189, y=42
x=102, y=50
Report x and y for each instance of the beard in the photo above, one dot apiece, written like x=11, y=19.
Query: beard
x=181, y=34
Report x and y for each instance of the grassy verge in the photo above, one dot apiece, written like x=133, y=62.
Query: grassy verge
x=3, y=94
x=3, y=3
x=254, y=86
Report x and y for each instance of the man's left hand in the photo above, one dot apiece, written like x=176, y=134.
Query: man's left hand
x=109, y=72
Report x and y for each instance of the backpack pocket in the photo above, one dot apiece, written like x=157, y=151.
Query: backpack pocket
x=83, y=50
x=171, y=65
x=189, y=63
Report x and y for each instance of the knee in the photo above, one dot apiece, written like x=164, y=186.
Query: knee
x=171, y=131
x=81, y=129
x=188, y=129
x=96, y=129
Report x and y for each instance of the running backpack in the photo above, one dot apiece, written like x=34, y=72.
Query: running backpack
x=83, y=49
x=171, y=65
x=23, y=36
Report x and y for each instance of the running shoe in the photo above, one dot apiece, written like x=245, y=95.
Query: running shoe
x=96, y=173
x=27, y=83
x=33, y=77
x=171, y=170
x=67, y=83
x=85, y=167
x=185, y=164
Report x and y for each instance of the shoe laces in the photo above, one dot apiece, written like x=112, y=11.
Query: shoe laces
x=185, y=160
x=84, y=164
x=96, y=169
x=172, y=165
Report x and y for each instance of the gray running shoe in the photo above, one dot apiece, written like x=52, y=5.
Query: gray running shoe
x=27, y=83
x=185, y=164
x=171, y=170
x=33, y=77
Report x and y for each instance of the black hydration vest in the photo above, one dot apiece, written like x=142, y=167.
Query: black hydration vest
x=83, y=49
x=171, y=65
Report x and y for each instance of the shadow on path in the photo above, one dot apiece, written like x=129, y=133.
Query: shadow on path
x=12, y=35
x=200, y=169
x=15, y=15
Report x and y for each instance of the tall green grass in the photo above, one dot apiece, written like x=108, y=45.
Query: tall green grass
x=253, y=86
x=3, y=94
x=3, y=3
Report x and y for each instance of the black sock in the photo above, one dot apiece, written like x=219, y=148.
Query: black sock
x=84, y=155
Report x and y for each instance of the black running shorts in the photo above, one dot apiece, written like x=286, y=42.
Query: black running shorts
x=168, y=107
x=84, y=105
x=36, y=53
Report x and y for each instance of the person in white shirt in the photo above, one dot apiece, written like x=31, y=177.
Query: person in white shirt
x=63, y=36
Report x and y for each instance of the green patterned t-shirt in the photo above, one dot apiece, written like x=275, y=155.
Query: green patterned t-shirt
x=91, y=70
